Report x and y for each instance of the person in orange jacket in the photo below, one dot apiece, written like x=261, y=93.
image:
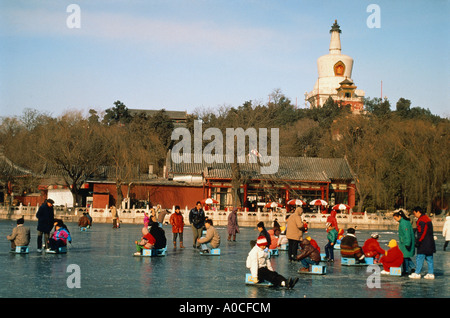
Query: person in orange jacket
x=393, y=257
x=274, y=235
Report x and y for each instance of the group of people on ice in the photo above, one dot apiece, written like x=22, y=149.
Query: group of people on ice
x=52, y=233
x=419, y=242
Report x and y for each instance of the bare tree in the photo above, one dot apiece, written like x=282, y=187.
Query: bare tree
x=75, y=148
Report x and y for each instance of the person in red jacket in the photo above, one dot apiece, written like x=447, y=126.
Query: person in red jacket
x=147, y=241
x=332, y=219
x=393, y=257
x=274, y=235
x=177, y=221
x=372, y=248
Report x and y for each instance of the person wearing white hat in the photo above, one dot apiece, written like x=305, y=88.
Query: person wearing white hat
x=372, y=248
x=261, y=268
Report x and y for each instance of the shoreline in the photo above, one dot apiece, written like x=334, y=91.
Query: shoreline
x=220, y=218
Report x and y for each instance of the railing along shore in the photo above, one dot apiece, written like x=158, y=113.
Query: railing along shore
x=363, y=221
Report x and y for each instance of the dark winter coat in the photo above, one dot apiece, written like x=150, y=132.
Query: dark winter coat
x=45, y=216
x=266, y=235
x=308, y=251
x=83, y=221
x=159, y=235
x=425, y=237
x=197, y=218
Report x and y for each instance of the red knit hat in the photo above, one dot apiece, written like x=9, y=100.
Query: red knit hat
x=262, y=241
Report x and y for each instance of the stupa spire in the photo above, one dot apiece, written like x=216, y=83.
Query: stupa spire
x=335, y=43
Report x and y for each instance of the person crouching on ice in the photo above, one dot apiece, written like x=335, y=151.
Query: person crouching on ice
x=308, y=256
x=261, y=268
x=147, y=241
x=212, y=237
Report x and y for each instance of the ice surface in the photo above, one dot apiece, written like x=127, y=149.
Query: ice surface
x=108, y=269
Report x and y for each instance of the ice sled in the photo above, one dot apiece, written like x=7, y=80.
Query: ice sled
x=316, y=270
x=212, y=252
x=60, y=250
x=273, y=252
x=395, y=271
x=352, y=262
x=83, y=229
x=248, y=281
x=153, y=252
x=21, y=250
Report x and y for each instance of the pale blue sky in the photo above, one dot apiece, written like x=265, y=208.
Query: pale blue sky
x=188, y=54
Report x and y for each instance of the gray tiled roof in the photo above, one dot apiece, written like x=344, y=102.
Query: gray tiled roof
x=7, y=167
x=173, y=114
x=290, y=168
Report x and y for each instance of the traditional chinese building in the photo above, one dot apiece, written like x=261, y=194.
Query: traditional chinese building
x=335, y=77
x=307, y=178
x=185, y=183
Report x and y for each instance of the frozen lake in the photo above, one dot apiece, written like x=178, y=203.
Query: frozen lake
x=108, y=269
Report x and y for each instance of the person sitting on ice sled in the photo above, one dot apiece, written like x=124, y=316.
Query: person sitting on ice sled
x=147, y=241
x=350, y=247
x=60, y=236
x=392, y=258
x=261, y=267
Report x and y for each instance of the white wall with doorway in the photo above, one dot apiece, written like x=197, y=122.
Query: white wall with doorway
x=61, y=197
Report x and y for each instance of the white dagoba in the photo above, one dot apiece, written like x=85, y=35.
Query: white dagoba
x=335, y=73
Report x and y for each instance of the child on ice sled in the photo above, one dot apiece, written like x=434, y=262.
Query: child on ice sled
x=147, y=241
x=261, y=267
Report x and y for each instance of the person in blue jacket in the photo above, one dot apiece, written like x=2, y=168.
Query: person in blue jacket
x=60, y=236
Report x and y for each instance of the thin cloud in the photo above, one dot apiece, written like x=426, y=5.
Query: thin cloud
x=120, y=26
